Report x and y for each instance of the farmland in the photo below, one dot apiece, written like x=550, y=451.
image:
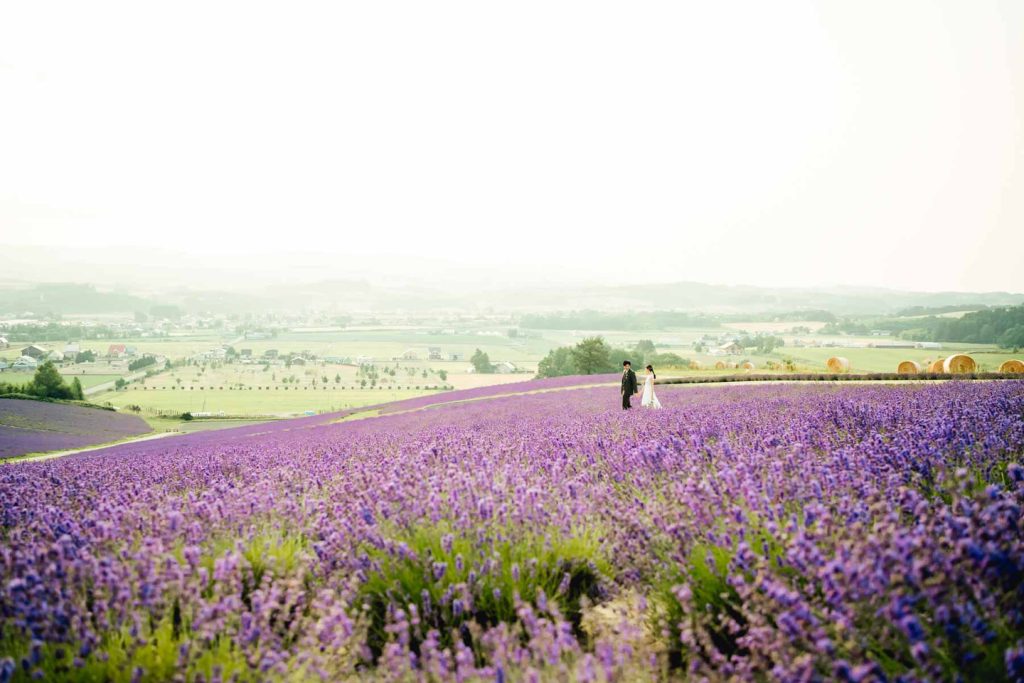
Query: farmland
x=740, y=533
x=35, y=426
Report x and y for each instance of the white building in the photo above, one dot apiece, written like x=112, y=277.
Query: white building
x=25, y=363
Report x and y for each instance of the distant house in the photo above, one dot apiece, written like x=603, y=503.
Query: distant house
x=457, y=356
x=270, y=353
x=505, y=367
x=25, y=363
x=4, y=344
x=297, y=360
x=34, y=351
x=245, y=353
x=410, y=354
x=71, y=350
x=130, y=351
x=116, y=351
x=434, y=353
x=731, y=348
x=928, y=345
x=364, y=360
x=55, y=356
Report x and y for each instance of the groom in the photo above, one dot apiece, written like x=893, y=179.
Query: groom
x=628, y=384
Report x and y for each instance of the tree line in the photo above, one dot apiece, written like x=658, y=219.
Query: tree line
x=594, y=320
x=999, y=325
x=594, y=356
x=46, y=383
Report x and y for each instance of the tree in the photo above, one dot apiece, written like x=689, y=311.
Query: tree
x=481, y=362
x=48, y=383
x=76, y=390
x=337, y=378
x=85, y=357
x=557, y=363
x=591, y=356
x=645, y=347
x=443, y=374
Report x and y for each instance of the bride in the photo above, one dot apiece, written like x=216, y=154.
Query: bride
x=649, y=400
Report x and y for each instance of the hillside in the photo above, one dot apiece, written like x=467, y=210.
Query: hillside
x=39, y=426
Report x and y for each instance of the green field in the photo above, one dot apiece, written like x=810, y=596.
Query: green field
x=278, y=401
x=88, y=381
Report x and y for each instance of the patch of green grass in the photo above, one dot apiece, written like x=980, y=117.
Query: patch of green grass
x=454, y=579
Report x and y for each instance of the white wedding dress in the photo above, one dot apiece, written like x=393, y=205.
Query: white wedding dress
x=649, y=400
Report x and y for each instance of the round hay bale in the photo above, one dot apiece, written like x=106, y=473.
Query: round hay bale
x=959, y=363
x=720, y=365
x=1012, y=366
x=695, y=365
x=747, y=365
x=936, y=366
x=837, y=364
x=908, y=367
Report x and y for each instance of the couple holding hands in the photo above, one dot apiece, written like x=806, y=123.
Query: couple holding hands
x=629, y=387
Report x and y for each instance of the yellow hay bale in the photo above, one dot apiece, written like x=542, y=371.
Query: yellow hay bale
x=720, y=365
x=908, y=367
x=837, y=364
x=936, y=366
x=959, y=363
x=695, y=365
x=747, y=365
x=1014, y=366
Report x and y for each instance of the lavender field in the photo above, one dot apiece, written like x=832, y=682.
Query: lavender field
x=37, y=426
x=859, y=533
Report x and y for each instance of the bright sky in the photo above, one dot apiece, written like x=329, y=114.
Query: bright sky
x=774, y=143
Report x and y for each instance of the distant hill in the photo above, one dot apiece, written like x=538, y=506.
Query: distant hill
x=66, y=297
x=359, y=296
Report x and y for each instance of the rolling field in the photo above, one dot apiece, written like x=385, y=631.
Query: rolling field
x=36, y=426
x=278, y=401
x=742, y=533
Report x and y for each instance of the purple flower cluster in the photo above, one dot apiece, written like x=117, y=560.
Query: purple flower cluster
x=543, y=384
x=37, y=426
x=772, y=532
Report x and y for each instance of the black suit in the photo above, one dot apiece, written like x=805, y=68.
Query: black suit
x=628, y=387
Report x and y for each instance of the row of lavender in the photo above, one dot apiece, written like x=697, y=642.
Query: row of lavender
x=37, y=426
x=859, y=533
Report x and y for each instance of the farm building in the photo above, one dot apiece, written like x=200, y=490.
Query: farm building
x=34, y=351
x=55, y=356
x=71, y=349
x=505, y=367
x=116, y=351
x=410, y=354
x=364, y=360
x=927, y=345
x=456, y=356
x=25, y=363
x=4, y=344
x=731, y=348
x=434, y=353
x=297, y=360
x=245, y=353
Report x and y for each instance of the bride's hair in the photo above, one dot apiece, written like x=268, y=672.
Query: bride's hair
x=652, y=371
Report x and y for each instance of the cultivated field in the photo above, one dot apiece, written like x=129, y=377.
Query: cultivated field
x=742, y=533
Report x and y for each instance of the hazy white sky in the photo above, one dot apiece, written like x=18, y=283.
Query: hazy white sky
x=783, y=143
